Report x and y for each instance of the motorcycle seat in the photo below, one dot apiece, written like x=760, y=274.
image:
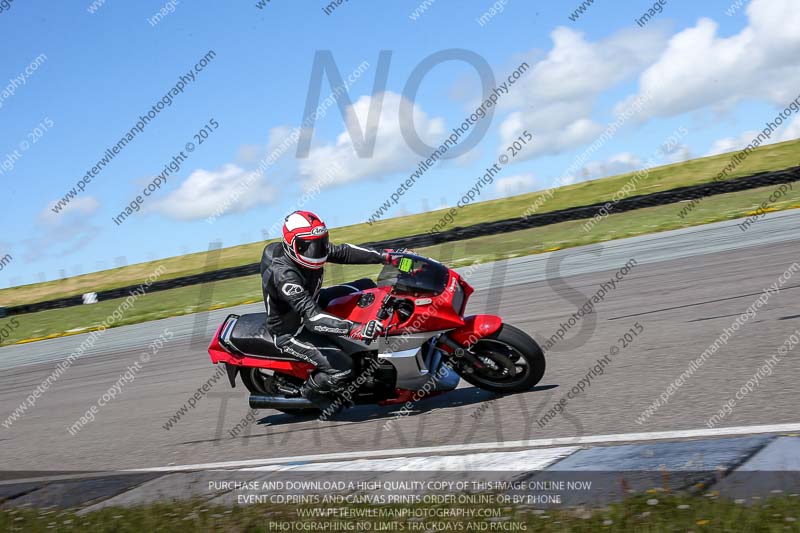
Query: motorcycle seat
x=250, y=337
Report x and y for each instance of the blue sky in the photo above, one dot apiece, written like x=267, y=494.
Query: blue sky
x=719, y=76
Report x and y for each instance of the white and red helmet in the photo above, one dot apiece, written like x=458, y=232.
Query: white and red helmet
x=305, y=239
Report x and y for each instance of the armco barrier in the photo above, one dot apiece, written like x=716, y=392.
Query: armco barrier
x=577, y=213
x=671, y=196
x=194, y=279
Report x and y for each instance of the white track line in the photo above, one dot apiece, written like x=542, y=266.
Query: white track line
x=521, y=461
x=486, y=446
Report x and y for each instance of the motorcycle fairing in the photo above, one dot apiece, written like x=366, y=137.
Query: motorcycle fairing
x=476, y=327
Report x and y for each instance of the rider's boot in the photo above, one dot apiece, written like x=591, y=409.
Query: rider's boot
x=321, y=389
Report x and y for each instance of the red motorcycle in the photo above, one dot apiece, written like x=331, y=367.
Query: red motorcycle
x=427, y=346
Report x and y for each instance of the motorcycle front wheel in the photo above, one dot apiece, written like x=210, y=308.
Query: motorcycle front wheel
x=510, y=361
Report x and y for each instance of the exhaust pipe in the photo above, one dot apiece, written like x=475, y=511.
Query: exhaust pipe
x=279, y=402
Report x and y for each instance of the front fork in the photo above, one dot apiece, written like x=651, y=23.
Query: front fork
x=457, y=342
x=456, y=351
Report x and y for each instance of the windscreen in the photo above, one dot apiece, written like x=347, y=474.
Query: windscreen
x=415, y=275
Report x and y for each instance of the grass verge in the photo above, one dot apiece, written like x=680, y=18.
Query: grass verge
x=655, y=512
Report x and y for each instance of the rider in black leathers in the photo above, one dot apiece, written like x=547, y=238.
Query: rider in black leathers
x=291, y=281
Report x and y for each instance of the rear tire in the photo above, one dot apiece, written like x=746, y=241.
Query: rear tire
x=514, y=362
x=260, y=383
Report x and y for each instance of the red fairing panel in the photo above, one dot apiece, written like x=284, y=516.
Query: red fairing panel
x=476, y=327
x=219, y=354
x=347, y=306
x=430, y=313
x=468, y=290
x=299, y=369
x=405, y=395
x=438, y=314
x=215, y=350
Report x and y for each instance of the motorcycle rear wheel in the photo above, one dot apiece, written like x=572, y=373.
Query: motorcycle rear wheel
x=258, y=382
x=512, y=362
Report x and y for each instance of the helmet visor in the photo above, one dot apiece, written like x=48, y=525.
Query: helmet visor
x=313, y=250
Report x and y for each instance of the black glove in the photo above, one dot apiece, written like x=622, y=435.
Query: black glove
x=366, y=332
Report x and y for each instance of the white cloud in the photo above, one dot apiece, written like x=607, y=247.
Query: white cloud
x=84, y=205
x=678, y=154
x=517, y=184
x=555, y=99
x=201, y=194
x=699, y=68
x=59, y=235
x=232, y=188
x=392, y=153
x=614, y=165
x=249, y=154
x=730, y=144
x=623, y=163
x=788, y=132
x=554, y=134
x=564, y=181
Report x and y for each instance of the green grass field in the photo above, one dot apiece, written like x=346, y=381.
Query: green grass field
x=653, y=512
x=226, y=293
x=771, y=157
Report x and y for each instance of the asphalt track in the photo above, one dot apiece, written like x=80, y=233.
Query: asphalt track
x=687, y=287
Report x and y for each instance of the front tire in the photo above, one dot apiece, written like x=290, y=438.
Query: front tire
x=258, y=382
x=512, y=362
